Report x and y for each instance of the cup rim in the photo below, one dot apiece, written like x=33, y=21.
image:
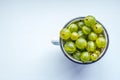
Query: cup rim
x=80, y=62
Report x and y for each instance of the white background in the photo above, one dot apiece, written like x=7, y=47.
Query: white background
x=27, y=28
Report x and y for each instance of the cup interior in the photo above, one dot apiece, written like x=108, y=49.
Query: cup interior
x=77, y=61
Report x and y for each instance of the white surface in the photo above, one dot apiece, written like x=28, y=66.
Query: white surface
x=26, y=30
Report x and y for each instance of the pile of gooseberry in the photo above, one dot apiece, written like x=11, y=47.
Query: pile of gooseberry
x=84, y=40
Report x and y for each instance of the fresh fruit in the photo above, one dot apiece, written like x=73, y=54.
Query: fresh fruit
x=97, y=52
x=74, y=36
x=70, y=47
x=89, y=20
x=65, y=33
x=80, y=24
x=81, y=43
x=94, y=56
x=81, y=34
x=85, y=57
x=92, y=36
x=91, y=47
x=97, y=28
x=86, y=30
x=77, y=55
x=101, y=42
x=73, y=27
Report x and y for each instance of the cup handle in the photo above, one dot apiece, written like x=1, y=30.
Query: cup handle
x=55, y=41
